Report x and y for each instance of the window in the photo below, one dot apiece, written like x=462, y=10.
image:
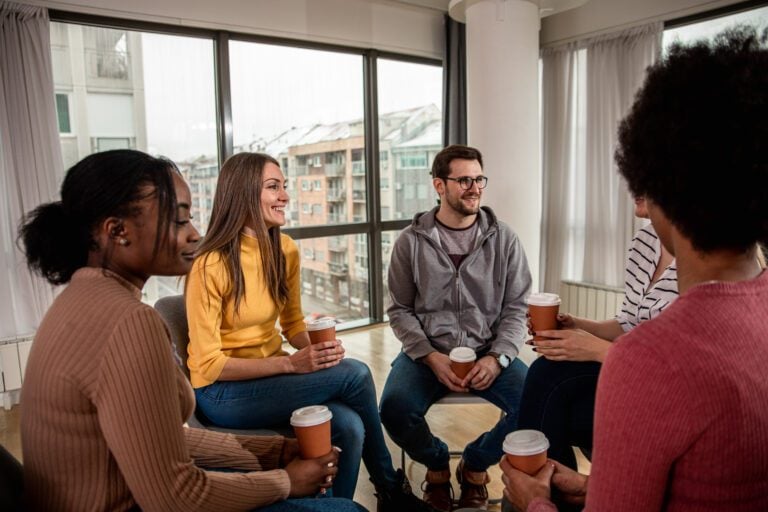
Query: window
x=410, y=129
x=62, y=112
x=309, y=116
x=116, y=108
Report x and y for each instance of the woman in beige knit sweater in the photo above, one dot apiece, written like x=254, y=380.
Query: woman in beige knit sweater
x=104, y=402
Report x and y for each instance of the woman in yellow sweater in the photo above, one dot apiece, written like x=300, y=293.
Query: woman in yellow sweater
x=104, y=401
x=245, y=279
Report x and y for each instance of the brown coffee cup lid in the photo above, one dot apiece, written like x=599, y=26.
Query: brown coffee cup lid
x=320, y=324
x=462, y=355
x=310, y=416
x=525, y=442
x=543, y=299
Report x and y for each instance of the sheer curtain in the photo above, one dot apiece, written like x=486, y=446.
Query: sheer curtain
x=588, y=87
x=30, y=156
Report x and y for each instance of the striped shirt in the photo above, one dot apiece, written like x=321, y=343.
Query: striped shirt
x=643, y=301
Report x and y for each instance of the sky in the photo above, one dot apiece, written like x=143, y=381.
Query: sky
x=273, y=88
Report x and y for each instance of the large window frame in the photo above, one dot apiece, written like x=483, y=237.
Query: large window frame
x=373, y=226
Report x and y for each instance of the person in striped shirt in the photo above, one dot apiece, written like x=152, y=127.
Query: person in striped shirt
x=559, y=393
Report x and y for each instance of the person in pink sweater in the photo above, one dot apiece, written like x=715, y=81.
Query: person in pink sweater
x=681, y=422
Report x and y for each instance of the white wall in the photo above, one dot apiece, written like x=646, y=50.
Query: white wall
x=367, y=24
x=603, y=16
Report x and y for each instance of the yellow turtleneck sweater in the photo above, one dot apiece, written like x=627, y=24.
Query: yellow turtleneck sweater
x=216, y=333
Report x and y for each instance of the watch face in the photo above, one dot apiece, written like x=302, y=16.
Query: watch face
x=503, y=360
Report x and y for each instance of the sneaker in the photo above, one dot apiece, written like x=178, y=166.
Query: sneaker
x=400, y=498
x=438, y=491
x=474, y=488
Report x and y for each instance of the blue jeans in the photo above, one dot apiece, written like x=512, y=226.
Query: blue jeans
x=348, y=391
x=559, y=400
x=313, y=505
x=412, y=388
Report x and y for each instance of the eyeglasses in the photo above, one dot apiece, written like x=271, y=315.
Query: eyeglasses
x=466, y=182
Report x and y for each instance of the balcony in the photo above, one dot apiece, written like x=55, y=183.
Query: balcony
x=335, y=218
x=300, y=170
x=338, y=269
x=358, y=168
x=358, y=196
x=334, y=170
x=336, y=194
x=107, y=65
x=337, y=244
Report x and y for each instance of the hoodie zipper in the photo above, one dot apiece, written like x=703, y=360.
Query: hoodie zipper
x=457, y=296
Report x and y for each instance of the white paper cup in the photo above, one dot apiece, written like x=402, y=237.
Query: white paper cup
x=462, y=360
x=312, y=426
x=543, y=308
x=526, y=450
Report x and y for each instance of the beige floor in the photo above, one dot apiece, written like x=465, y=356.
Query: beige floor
x=377, y=346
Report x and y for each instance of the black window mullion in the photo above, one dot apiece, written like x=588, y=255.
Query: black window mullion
x=371, y=112
x=223, y=97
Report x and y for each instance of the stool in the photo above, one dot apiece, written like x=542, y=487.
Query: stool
x=454, y=398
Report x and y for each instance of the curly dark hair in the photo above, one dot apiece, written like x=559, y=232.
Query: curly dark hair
x=441, y=166
x=696, y=140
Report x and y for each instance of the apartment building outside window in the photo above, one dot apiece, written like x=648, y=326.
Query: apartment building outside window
x=312, y=117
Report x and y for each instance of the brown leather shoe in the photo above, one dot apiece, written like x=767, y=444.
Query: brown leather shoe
x=438, y=492
x=474, y=490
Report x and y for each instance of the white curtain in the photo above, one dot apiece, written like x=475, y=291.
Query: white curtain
x=588, y=87
x=30, y=156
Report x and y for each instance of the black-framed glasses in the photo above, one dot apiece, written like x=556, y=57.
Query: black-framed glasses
x=466, y=182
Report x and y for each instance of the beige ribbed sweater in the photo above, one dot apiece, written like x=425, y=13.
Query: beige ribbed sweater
x=103, y=407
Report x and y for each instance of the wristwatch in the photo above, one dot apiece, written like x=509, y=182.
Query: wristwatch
x=502, y=359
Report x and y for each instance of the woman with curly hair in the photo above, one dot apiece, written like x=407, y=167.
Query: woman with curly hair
x=680, y=419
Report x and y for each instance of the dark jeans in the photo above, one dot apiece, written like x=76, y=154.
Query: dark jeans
x=559, y=400
x=313, y=505
x=348, y=391
x=412, y=388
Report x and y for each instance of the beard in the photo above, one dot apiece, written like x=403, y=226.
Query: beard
x=457, y=205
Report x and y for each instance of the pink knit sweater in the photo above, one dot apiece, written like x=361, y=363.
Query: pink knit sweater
x=681, y=420
x=102, y=410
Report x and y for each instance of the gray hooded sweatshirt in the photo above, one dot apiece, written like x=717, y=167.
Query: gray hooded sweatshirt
x=480, y=304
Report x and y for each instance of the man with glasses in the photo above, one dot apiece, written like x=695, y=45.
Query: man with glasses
x=458, y=278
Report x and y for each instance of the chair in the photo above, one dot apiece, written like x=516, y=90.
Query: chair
x=173, y=311
x=453, y=398
x=11, y=481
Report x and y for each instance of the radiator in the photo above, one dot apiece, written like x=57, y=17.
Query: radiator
x=592, y=301
x=13, y=360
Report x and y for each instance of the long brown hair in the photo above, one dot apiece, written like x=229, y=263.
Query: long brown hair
x=237, y=203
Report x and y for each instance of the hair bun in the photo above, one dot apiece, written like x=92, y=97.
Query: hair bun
x=55, y=243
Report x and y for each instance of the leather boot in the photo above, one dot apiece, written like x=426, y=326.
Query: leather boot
x=437, y=490
x=399, y=498
x=474, y=488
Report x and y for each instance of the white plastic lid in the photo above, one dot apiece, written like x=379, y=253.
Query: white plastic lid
x=462, y=355
x=525, y=442
x=543, y=299
x=321, y=323
x=310, y=416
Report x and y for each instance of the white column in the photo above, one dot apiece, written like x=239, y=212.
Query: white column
x=503, y=110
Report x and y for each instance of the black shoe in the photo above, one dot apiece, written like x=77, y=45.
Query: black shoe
x=400, y=498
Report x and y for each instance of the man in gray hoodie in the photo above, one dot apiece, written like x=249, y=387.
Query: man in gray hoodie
x=458, y=278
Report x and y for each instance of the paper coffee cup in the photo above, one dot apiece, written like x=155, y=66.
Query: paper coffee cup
x=322, y=329
x=543, y=308
x=526, y=450
x=312, y=426
x=462, y=360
